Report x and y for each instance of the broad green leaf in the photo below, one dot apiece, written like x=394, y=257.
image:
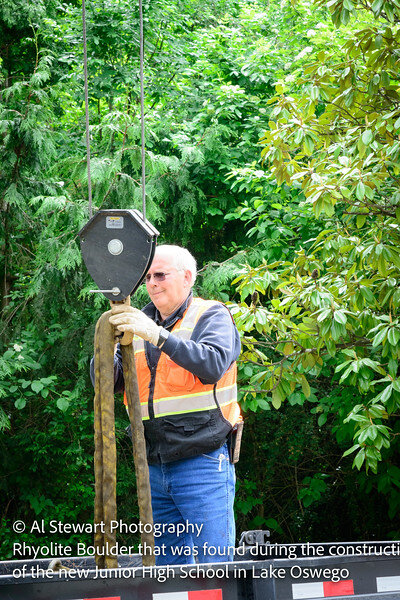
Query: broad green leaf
x=379, y=337
x=305, y=386
x=361, y=221
x=359, y=459
x=393, y=336
x=62, y=404
x=351, y=450
x=340, y=317
x=367, y=137
x=360, y=190
x=276, y=399
x=20, y=403
x=37, y=386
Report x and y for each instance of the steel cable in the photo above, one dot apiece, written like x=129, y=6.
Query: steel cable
x=85, y=76
x=105, y=509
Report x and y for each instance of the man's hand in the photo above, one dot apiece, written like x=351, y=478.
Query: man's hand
x=127, y=318
x=127, y=337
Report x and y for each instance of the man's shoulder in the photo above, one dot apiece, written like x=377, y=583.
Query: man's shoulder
x=209, y=302
x=205, y=303
x=215, y=305
x=213, y=310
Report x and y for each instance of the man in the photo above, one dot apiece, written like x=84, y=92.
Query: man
x=185, y=353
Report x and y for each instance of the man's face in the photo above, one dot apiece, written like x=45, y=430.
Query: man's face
x=167, y=295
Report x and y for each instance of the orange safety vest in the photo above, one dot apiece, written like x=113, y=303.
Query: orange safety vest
x=177, y=391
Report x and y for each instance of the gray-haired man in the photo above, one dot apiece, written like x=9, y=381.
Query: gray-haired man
x=185, y=353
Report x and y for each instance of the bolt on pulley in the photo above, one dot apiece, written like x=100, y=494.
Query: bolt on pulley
x=118, y=247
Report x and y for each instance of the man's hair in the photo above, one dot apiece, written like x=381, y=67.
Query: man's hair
x=182, y=259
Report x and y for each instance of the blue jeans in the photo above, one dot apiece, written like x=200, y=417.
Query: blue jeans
x=192, y=502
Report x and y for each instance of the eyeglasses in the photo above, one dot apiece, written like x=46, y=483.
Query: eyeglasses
x=157, y=276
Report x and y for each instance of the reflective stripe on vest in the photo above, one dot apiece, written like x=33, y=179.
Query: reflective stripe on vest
x=176, y=390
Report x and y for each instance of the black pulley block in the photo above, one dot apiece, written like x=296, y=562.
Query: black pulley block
x=118, y=247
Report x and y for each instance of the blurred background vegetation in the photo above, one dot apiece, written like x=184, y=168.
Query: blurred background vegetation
x=272, y=137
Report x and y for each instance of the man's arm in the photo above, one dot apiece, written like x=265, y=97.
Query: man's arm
x=213, y=347
x=214, y=344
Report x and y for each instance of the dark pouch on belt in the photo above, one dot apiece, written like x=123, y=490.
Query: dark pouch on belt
x=235, y=439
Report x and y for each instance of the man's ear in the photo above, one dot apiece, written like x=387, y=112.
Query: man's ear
x=188, y=278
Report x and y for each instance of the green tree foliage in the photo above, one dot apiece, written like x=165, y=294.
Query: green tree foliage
x=199, y=106
x=315, y=265
x=323, y=325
